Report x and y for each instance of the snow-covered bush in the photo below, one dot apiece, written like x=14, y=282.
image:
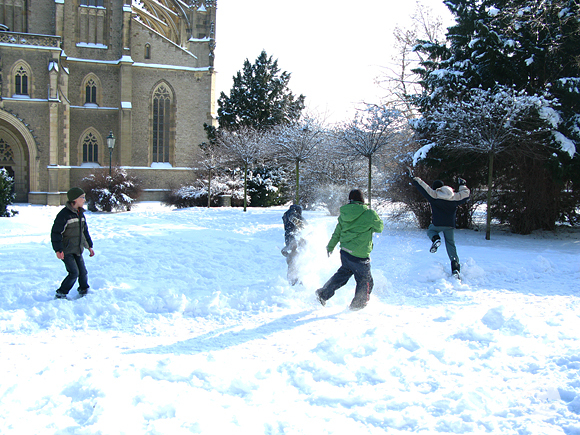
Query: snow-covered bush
x=7, y=194
x=116, y=192
x=267, y=187
x=195, y=195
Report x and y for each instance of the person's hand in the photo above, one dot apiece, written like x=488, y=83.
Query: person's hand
x=328, y=253
x=461, y=181
x=91, y=252
x=60, y=255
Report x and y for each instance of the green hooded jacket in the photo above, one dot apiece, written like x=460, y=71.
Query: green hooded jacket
x=355, y=228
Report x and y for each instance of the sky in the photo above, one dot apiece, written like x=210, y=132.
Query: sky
x=334, y=50
x=191, y=327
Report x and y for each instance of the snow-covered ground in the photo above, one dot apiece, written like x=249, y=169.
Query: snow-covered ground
x=191, y=327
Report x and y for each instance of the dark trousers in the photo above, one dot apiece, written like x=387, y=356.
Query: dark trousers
x=292, y=261
x=75, y=266
x=351, y=265
x=449, y=233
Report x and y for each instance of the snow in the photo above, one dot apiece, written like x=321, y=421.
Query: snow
x=191, y=327
x=422, y=152
x=161, y=165
x=566, y=144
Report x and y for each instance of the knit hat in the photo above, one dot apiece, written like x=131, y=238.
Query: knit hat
x=74, y=193
x=437, y=184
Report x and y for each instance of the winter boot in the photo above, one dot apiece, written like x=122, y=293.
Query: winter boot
x=60, y=295
x=320, y=298
x=357, y=304
x=436, y=243
x=83, y=292
x=455, y=269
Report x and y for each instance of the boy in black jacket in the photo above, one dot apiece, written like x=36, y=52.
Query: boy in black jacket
x=444, y=202
x=293, y=224
x=69, y=237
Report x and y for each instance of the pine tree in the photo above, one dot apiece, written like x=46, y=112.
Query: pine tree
x=7, y=194
x=525, y=45
x=259, y=98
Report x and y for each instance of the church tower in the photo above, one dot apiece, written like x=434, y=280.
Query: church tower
x=74, y=71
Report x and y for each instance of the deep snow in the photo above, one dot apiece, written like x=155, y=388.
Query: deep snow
x=191, y=327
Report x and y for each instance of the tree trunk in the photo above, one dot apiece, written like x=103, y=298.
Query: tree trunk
x=489, y=189
x=245, y=186
x=209, y=189
x=297, y=196
x=370, y=180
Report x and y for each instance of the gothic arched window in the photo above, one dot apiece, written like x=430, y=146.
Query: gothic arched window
x=91, y=92
x=162, y=99
x=21, y=81
x=90, y=149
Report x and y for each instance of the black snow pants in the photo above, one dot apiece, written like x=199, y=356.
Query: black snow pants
x=351, y=265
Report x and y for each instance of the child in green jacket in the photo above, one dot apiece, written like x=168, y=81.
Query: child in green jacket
x=354, y=231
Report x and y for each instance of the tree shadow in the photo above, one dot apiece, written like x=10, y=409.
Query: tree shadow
x=226, y=337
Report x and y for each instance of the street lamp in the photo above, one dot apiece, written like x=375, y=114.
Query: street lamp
x=111, y=145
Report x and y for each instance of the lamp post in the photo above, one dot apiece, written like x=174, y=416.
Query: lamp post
x=111, y=145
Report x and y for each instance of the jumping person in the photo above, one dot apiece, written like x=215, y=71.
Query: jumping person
x=354, y=230
x=444, y=202
x=69, y=237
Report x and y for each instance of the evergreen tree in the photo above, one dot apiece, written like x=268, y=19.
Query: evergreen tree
x=259, y=98
x=7, y=194
x=526, y=45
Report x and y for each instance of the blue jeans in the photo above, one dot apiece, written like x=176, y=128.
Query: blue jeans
x=351, y=265
x=449, y=234
x=75, y=266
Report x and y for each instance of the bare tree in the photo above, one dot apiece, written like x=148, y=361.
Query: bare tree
x=296, y=144
x=400, y=81
x=490, y=122
x=211, y=163
x=245, y=147
x=372, y=130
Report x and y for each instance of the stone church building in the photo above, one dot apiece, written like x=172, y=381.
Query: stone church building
x=74, y=71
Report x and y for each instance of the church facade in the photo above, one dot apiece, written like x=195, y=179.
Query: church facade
x=74, y=72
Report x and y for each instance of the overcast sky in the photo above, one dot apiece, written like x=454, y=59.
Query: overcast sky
x=333, y=49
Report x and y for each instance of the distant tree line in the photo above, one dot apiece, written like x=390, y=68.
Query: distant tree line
x=495, y=100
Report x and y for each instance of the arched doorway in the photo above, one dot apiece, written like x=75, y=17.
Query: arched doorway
x=13, y=158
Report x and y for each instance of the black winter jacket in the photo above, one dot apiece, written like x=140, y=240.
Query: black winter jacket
x=293, y=223
x=444, y=202
x=70, y=233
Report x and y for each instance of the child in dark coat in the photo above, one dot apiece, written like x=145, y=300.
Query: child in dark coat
x=293, y=224
x=444, y=202
x=69, y=237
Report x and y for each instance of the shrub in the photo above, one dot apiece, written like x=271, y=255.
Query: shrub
x=195, y=195
x=7, y=194
x=116, y=192
x=267, y=187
